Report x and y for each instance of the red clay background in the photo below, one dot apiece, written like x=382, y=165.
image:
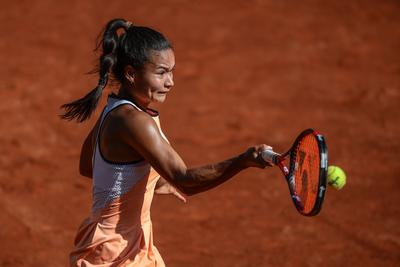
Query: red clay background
x=256, y=71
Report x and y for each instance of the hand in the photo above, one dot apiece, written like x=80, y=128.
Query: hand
x=166, y=188
x=253, y=156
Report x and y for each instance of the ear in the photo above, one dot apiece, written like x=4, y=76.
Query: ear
x=129, y=73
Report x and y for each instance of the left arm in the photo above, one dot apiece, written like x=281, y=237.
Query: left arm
x=163, y=188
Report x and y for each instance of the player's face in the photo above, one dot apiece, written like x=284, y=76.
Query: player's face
x=153, y=82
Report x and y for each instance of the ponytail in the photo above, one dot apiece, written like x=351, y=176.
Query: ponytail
x=132, y=48
x=82, y=108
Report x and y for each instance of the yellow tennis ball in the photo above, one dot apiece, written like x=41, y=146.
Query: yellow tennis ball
x=336, y=177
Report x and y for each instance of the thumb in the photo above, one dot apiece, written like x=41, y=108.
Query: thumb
x=178, y=195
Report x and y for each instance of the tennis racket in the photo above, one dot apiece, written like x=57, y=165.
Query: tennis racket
x=306, y=172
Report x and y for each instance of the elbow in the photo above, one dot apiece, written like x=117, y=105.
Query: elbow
x=183, y=184
x=188, y=191
x=85, y=167
x=85, y=172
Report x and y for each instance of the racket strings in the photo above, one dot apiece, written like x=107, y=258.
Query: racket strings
x=306, y=172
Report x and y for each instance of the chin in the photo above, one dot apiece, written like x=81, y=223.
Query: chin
x=160, y=99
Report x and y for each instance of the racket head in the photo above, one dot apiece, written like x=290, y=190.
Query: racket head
x=308, y=164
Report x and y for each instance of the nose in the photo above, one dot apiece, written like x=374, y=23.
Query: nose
x=170, y=80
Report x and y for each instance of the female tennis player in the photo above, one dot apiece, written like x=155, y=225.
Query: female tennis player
x=126, y=151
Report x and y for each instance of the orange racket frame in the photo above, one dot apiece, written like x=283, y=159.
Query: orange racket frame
x=307, y=170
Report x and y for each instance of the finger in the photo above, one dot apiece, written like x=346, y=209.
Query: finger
x=263, y=162
x=176, y=193
x=268, y=165
x=161, y=191
x=263, y=147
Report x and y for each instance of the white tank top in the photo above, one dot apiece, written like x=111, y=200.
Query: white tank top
x=112, y=180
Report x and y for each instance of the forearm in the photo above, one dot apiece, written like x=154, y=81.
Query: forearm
x=203, y=178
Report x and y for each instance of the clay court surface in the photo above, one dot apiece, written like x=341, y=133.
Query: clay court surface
x=247, y=72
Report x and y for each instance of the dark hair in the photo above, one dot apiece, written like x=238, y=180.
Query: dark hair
x=132, y=47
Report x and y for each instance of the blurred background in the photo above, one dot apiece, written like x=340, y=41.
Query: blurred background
x=247, y=72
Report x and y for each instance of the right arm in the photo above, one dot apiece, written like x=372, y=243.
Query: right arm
x=141, y=133
x=208, y=176
x=85, y=161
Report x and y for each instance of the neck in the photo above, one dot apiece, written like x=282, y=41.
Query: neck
x=125, y=94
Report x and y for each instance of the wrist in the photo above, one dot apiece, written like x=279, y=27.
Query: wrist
x=161, y=181
x=242, y=161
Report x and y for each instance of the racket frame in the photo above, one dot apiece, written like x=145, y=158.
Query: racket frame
x=279, y=160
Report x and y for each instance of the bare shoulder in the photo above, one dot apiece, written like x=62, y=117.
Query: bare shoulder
x=134, y=124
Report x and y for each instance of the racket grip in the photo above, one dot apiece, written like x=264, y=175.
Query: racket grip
x=270, y=156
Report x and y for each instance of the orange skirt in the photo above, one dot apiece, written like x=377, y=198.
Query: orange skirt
x=121, y=233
